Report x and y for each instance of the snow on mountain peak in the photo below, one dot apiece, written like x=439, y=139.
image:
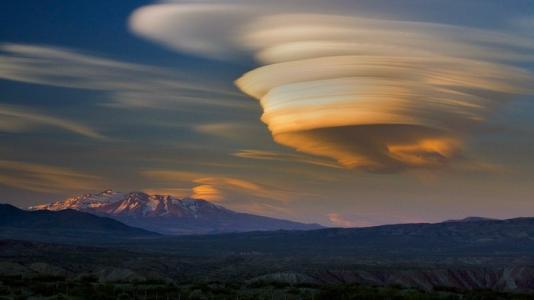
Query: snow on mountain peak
x=137, y=204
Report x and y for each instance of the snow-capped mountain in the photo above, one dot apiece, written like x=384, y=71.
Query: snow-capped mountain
x=170, y=215
x=135, y=204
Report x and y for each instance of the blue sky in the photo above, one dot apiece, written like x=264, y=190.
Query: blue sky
x=90, y=102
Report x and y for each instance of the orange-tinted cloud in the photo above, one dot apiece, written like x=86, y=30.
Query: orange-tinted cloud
x=376, y=94
x=387, y=104
x=216, y=187
x=236, y=193
x=207, y=192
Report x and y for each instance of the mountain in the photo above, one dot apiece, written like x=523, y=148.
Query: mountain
x=62, y=225
x=482, y=254
x=169, y=215
x=501, y=239
x=471, y=219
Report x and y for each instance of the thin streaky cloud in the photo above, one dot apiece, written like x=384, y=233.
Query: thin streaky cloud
x=284, y=157
x=129, y=84
x=18, y=119
x=244, y=132
x=219, y=188
x=45, y=178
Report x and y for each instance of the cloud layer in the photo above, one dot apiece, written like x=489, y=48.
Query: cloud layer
x=129, y=84
x=45, y=178
x=371, y=93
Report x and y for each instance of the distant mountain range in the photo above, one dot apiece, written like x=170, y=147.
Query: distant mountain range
x=474, y=253
x=170, y=215
x=65, y=225
x=505, y=239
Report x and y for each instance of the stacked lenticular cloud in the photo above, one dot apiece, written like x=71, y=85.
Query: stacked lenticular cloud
x=370, y=93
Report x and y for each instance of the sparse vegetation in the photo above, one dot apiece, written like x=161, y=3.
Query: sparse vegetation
x=18, y=287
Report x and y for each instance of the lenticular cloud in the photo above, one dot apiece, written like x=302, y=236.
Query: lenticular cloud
x=371, y=93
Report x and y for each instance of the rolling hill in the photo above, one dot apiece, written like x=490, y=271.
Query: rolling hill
x=64, y=225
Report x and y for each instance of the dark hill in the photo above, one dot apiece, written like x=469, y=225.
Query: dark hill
x=65, y=225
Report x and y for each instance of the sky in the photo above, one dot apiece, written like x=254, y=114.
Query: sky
x=344, y=113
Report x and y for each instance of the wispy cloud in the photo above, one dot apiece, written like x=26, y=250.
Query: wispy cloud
x=207, y=192
x=372, y=93
x=18, y=118
x=246, y=132
x=218, y=191
x=172, y=175
x=129, y=84
x=177, y=192
x=284, y=157
x=231, y=184
x=213, y=186
x=237, y=193
x=45, y=178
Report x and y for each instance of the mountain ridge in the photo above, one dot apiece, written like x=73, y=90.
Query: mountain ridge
x=167, y=214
